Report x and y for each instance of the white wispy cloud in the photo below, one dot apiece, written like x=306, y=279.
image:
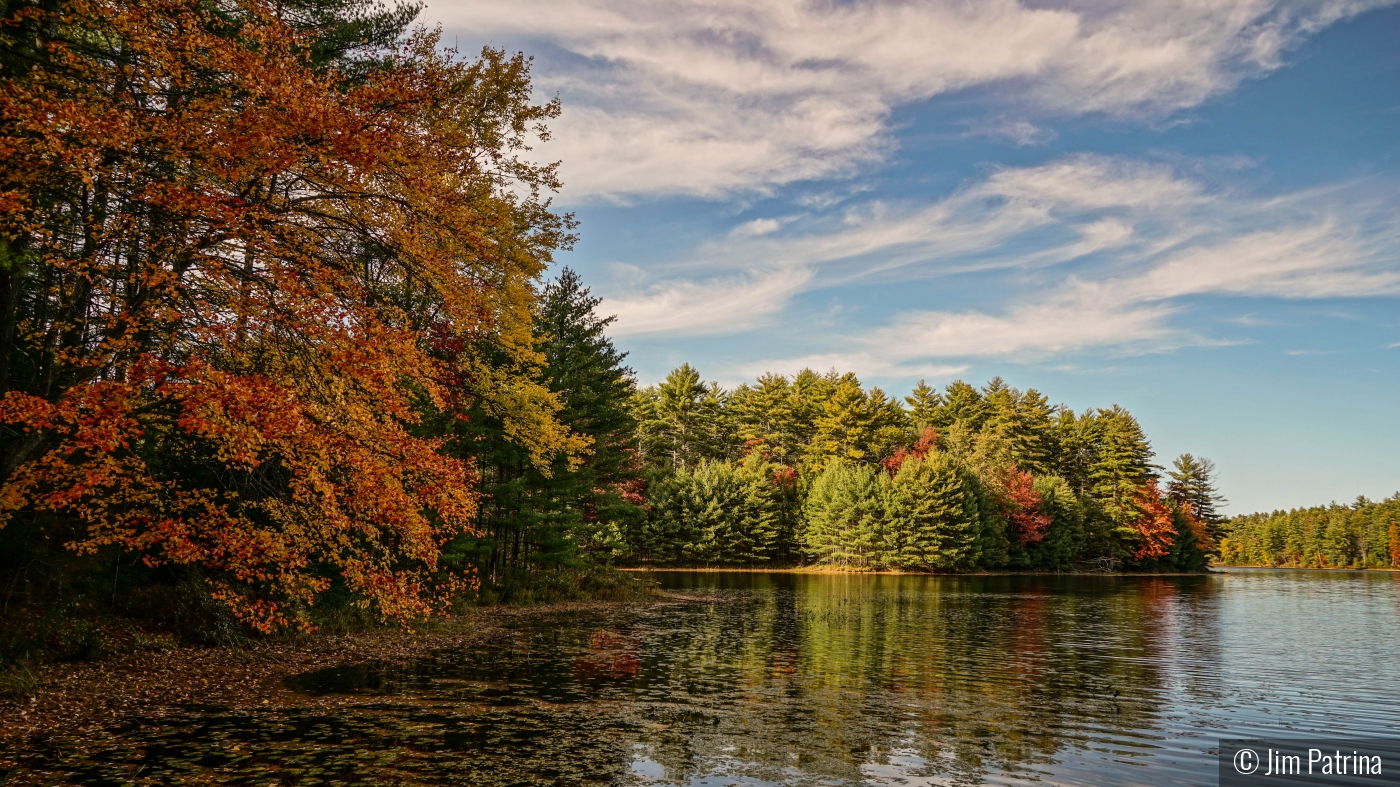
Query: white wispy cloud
x=725, y=305
x=1134, y=242
x=1326, y=259
x=1071, y=320
x=863, y=364
x=1134, y=313
x=1090, y=203
x=708, y=97
x=1019, y=131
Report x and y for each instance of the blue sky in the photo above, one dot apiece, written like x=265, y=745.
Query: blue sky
x=1189, y=209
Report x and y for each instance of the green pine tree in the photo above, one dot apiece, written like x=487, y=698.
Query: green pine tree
x=1065, y=539
x=924, y=405
x=844, y=516
x=536, y=516
x=590, y=498
x=1122, y=463
x=1193, y=485
x=682, y=421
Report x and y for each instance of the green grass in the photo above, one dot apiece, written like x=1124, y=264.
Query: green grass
x=19, y=679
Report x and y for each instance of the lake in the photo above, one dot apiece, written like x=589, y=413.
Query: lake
x=832, y=679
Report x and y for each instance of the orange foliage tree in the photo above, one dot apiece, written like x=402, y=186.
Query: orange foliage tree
x=927, y=441
x=239, y=289
x=1154, y=522
x=1021, y=505
x=1205, y=540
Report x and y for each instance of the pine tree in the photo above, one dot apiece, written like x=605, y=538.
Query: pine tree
x=1121, y=464
x=682, y=420
x=766, y=419
x=718, y=517
x=1073, y=442
x=763, y=509
x=962, y=404
x=589, y=497
x=924, y=405
x=1021, y=425
x=844, y=516
x=810, y=392
x=352, y=34
x=533, y=515
x=936, y=519
x=674, y=526
x=858, y=425
x=1064, y=539
x=1193, y=485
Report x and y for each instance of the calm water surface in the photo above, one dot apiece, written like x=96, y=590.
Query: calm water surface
x=833, y=680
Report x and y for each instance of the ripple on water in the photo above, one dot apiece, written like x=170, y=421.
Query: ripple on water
x=829, y=679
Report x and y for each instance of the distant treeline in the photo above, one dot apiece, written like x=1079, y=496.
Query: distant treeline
x=1362, y=535
x=817, y=469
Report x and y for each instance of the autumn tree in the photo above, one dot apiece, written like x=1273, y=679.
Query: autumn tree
x=237, y=273
x=1154, y=522
x=926, y=442
x=1020, y=503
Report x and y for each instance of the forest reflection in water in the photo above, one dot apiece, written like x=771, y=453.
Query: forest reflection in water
x=833, y=679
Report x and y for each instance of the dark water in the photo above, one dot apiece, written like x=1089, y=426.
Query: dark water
x=831, y=680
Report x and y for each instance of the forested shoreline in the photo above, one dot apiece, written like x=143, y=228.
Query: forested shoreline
x=816, y=470
x=1365, y=534
x=282, y=346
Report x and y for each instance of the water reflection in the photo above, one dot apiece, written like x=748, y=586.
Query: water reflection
x=849, y=678
x=830, y=679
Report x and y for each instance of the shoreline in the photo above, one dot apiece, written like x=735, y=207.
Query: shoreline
x=1335, y=570
x=1212, y=569
x=77, y=702
x=825, y=571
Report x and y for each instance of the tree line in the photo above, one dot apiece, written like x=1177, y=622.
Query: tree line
x=1365, y=534
x=817, y=469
